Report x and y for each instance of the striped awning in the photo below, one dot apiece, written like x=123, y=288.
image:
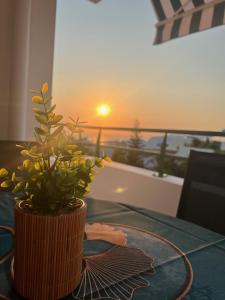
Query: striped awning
x=179, y=18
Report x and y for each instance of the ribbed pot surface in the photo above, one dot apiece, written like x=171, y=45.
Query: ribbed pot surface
x=48, y=253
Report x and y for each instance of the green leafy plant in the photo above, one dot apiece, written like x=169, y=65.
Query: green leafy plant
x=54, y=174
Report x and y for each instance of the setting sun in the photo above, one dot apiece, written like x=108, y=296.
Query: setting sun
x=103, y=110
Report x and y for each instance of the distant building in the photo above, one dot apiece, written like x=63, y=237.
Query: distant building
x=185, y=151
x=177, y=145
x=174, y=142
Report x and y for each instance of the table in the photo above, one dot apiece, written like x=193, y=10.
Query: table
x=205, y=249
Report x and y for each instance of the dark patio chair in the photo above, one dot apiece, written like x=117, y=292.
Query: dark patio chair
x=9, y=155
x=203, y=195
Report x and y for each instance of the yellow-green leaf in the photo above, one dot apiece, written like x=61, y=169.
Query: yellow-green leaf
x=37, y=166
x=89, y=163
x=41, y=119
x=24, y=152
x=44, y=88
x=51, y=109
x=13, y=177
x=33, y=178
x=3, y=173
x=56, y=119
x=18, y=187
x=99, y=162
x=20, y=146
x=108, y=159
x=38, y=111
x=20, y=168
x=5, y=184
x=38, y=100
x=40, y=131
x=26, y=163
x=87, y=189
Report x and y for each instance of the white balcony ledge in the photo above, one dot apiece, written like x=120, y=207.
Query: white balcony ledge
x=131, y=185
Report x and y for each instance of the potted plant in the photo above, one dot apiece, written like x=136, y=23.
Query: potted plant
x=49, y=212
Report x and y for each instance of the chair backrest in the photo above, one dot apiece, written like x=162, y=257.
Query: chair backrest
x=203, y=195
x=9, y=155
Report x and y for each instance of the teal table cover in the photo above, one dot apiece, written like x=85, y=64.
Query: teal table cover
x=205, y=249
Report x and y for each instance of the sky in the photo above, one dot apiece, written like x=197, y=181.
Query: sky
x=104, y=53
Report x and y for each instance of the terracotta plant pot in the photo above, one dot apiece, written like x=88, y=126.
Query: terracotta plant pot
x=48, y=253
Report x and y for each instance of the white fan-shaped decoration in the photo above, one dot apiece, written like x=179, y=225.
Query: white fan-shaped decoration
x=114, y=274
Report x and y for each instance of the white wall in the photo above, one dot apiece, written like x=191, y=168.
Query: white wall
x=5, y=64
x=136, y=186
x=26, y=60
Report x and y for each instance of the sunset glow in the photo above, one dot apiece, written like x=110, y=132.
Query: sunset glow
x=136, y=79
x=103, y=110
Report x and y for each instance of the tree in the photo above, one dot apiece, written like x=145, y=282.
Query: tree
x=134, y=157
x=208, y=144
x=175, y=167
x=196, y=142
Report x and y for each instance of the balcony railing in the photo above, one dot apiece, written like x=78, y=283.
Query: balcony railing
x=161, y=154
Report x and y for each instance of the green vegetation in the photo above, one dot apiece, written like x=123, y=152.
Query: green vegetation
x=214, y=145
x=118, y=154
x=134, y=157
x=54, y=174
x=130, y=157
x=175, y=167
